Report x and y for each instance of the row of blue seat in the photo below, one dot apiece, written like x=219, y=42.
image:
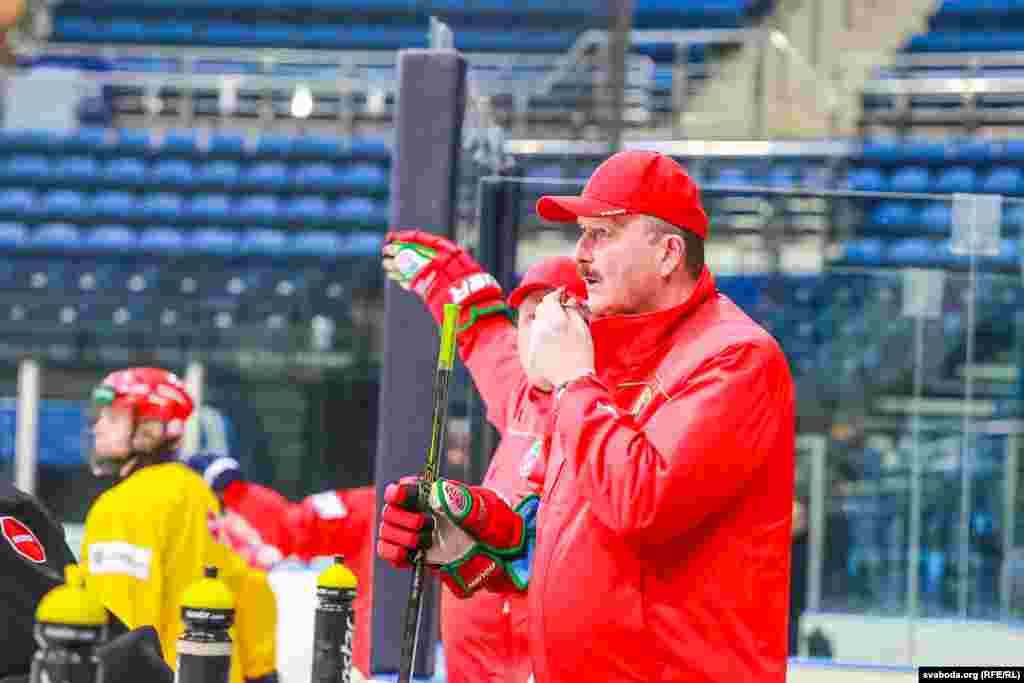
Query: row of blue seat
x=545, y=7
x=82, y=29
x=782, y=174
x=895, y=217
x=263, y=209
x=972, y=151
x=921, y=252
x=193, y=143
x=996, y=180
x=171, y=241
x=175, y=173
x=966, y=41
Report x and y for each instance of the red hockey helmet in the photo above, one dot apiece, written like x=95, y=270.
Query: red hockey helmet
x=151, y=394
x=550, y=273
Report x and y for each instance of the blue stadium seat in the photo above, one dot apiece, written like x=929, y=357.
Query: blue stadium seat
x=915, y=252
x=972, y=151
x=67, y=204
x=56, y=237
x=12, y=236
x=257, y=209
x=956, y=179
x=27, y=140
x=214, y=241
x=360, y=211
x=946, y=258
x=361, y=245
x=133, y=141
x=910, y=179
x=129, y=171
x=306, y=209
x=116, y=323
x=364, y=177
x=209, y=208
x=77, y=169
x=318, y=177
x=368, y=148
x=16, y=200
x=882, y=150
x=315, y=147
x=159, y=207
x=263, y=242
x=162, y=240
x=172, y=172
x=316, y=243
x=226, y=144
x=893, y=215
x=221, y=174
x=269, y=175
x=86, y=140
x=115, y=238
x=1010, y=151
x=782, y=177
x=867, y=179
x=937, y=218
x=27, y=169
x=1013, y=219
x=180, y=143
x=1003, y=180
x=1008, y=256
x=733, y=177
x=275, y=145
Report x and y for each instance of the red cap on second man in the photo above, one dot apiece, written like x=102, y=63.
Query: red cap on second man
x=633, y=182
x=550, y=273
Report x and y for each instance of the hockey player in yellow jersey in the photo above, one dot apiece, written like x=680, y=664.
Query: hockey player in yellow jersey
x=148, y=537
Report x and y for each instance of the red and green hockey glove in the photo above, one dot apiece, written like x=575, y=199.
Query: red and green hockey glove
x=470, y=535
x=442, y=272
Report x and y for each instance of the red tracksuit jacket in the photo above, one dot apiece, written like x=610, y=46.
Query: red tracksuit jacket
x=664, y=528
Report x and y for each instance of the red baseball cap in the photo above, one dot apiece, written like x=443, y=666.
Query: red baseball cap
x=550, y=273
x=634, y=182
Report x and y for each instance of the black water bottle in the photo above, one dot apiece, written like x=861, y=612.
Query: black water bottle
x=70, y=625
x=204, y=649
x=333, y=629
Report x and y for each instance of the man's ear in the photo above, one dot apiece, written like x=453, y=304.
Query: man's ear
x=672, y=255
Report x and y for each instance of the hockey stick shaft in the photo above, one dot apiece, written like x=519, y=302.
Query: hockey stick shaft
x=431, y=471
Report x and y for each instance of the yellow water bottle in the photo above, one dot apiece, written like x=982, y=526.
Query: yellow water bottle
x=70, y=625
x=333, y=629
x=204, y=649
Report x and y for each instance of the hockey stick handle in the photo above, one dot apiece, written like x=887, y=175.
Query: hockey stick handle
x=431, y=471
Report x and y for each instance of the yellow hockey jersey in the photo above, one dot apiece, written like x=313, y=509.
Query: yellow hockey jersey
x=147, y=539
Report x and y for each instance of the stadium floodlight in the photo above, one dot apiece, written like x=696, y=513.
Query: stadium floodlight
x=302, y=102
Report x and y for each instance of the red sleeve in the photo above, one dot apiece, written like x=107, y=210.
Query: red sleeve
x=332, y=523
x=696, y=453
x=263, y=508
x=489, y=351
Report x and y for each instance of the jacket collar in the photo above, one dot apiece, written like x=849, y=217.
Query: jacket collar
x=624, y=342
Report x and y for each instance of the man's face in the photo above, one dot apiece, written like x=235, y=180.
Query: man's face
x=112, y=433
x=618, y=259
x=116, y=440
x=527, y=311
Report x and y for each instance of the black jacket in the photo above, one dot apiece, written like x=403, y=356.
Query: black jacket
x=33, y=554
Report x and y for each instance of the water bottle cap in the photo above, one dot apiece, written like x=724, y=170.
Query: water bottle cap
x=71, y=603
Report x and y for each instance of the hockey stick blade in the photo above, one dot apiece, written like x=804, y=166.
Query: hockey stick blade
x=431, y=471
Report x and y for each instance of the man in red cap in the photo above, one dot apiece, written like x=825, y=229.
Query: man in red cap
x=660, y=549
x=485, y=639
